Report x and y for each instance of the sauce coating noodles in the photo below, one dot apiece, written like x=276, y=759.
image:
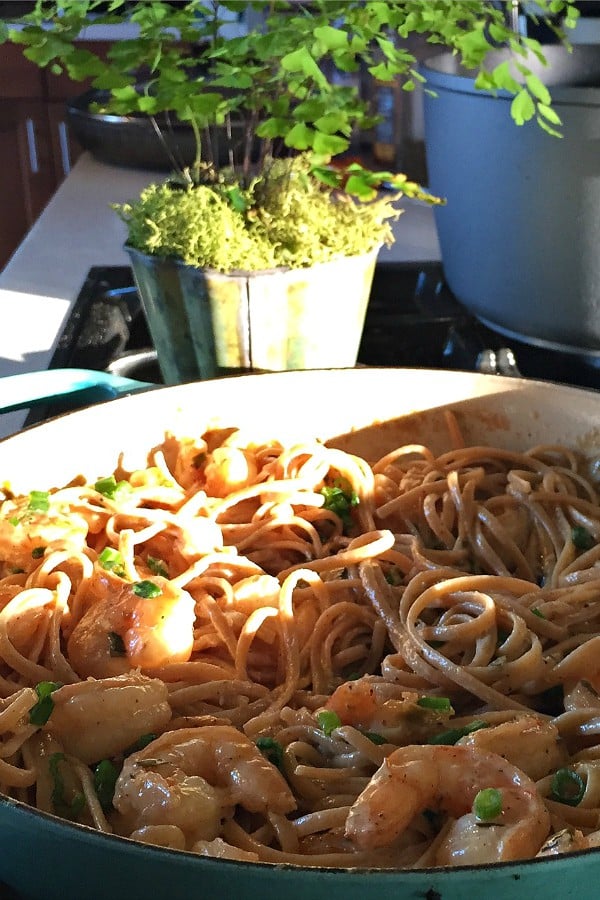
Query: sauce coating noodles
x=284, y=654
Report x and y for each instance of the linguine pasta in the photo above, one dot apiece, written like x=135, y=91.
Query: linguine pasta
x=243, y=650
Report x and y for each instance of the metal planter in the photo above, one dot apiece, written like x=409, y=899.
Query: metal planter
x=205, y=324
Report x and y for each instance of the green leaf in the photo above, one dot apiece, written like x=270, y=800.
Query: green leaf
x=358, y=186
x=503, y=78
x=234, y=79
x=549, y=113
x=330, y=144
x=331, y=38
x=300, y=137
x=50, y=48
x=547, y=128
x=148, y=105
x=301, y=60
x=126, y=93
x=382, y=72
x=538, y=89
x=272, y=128
x=239, y=203
x=106, y=81
x=473, y=45
x=310, y=109
x=522, y=108
x=332, y=123
x=327, y=176
x=485, y=81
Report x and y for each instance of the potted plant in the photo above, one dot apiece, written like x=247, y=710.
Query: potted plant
x=225, y=250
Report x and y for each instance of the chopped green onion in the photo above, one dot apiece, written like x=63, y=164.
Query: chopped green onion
x=441, y=704
x=42, y=710
x=537, y=612
x=141, y=742
x=105, y=779
x=39, y=501
x=38, y=552
x=328, y=720
x=146, y=589
x=375, y=738
x=455, y=734
x=567, y=787
x=157, y=566
x=58, y=790
x=339, y=499
x=393, y=576
x=487, y=804
x=112, y=561
x=272, y=749
x=14, y=520
x=63, y=807
x=582, y=538
x=116, y=647
x=112, y=489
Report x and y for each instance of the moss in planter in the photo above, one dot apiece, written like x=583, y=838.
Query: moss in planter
x=286, y=217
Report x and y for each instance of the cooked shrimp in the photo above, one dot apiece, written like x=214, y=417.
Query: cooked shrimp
x=94, y=720
x=530, y=743
x=193, y=779
x=229, y=469
x=129, y=630
x=376, y=705
x=447, y=778
x=24, y=621
x=25, y=530
x=568, y=840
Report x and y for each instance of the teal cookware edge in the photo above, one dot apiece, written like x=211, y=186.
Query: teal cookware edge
x=29, y=389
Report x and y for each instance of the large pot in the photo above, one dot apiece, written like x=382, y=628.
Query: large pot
x=367, y=411
x=136, y=141
x=520, y=232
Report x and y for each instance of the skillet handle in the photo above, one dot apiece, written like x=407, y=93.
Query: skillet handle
x=85, y=386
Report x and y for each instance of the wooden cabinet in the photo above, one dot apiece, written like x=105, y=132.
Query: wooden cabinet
x=36, y=149
x=27, y=179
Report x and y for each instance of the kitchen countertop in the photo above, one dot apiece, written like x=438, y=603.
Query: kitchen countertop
x=78, y=230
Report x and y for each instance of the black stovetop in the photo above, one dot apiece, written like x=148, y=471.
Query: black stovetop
x=413, y=320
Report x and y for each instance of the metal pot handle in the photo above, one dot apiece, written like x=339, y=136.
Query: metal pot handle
x=29, y=389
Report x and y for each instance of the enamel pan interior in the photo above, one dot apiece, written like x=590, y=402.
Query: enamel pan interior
x=367, y=411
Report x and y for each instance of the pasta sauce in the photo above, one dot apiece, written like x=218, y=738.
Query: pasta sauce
x=285, y=654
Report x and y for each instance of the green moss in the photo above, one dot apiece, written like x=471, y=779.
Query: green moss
x=285, y=218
